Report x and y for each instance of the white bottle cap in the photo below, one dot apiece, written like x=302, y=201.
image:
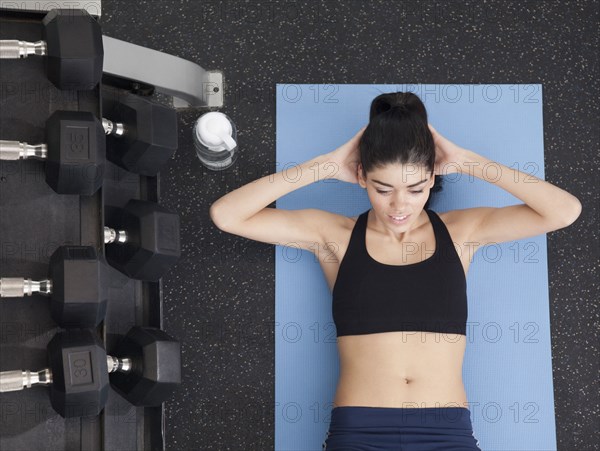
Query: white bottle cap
x=214, y=130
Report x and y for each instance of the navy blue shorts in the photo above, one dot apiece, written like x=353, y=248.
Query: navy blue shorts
x=400, y=429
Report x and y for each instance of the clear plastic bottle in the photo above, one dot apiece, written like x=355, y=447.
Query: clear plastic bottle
x=215, y=139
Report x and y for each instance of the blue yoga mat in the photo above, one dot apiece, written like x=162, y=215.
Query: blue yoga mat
x=507, y=368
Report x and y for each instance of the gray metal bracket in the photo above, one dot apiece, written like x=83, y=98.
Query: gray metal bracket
x=189, y=84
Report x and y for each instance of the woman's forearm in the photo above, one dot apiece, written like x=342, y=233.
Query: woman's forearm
x=546, y=199
x=244, y=202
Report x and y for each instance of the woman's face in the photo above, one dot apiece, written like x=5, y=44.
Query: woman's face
x=408, y=193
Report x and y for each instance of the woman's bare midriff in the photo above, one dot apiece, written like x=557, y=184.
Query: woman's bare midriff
x=401, y=369
x=396, y=369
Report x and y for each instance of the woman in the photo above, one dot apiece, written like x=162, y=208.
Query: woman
x=398, y=271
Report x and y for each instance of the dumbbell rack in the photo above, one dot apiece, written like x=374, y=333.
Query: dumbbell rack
x=34, y=221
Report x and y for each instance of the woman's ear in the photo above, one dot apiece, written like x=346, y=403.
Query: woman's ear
x=359, y=176
x=431, y=181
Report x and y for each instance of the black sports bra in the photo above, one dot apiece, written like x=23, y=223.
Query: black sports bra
x=372, y=297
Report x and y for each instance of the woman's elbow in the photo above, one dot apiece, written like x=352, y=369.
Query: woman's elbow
x=575, y=212
x=215, y=217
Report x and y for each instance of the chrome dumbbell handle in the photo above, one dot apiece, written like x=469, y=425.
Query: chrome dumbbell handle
x=14, y=49
x=17, y=287
x=18, y=379
x=15, y=150
x=112, y=235
x=116, y=364
x=112, y=128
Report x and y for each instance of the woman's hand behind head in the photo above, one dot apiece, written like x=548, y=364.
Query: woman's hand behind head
x=448, y=156
x=347, y=157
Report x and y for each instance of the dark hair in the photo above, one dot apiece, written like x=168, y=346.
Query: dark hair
x=398, y=134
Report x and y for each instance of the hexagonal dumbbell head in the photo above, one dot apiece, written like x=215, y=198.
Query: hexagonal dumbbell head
x=156, y=366
x=78, y=295
x=75, y=53
x=80, y=384
x=152, y=242
x=150, y=135
x=76, y=152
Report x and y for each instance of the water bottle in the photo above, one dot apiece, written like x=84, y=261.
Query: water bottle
x=215, y=139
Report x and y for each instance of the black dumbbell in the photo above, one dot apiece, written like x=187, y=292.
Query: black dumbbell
x=74, y=285
x=145, y=370
x=72, y=46
x=75, y=152
x=76, y=147
x=149, y=138
x=145, y=239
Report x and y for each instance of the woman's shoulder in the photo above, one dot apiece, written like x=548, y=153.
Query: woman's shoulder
x=452, y=218
x=461, y=222
x=446, y=216
x=463, y=216
x=338, y=226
